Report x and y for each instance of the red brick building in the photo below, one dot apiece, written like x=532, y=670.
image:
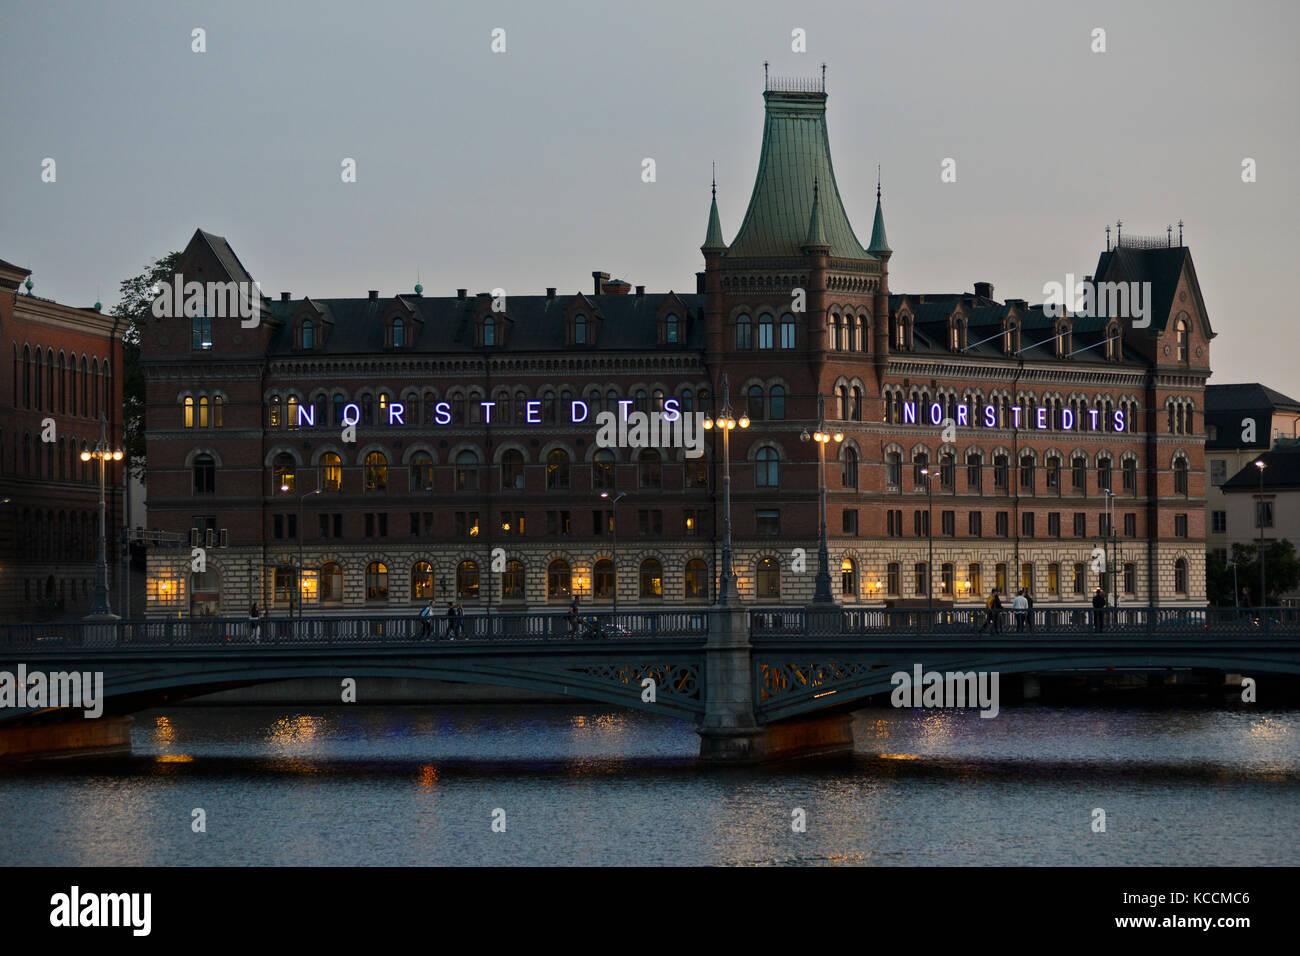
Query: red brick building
x=62, y=364
x=468, y=478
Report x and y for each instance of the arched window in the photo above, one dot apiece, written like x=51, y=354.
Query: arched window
x=580, y=330
x=189, y=412
x=744, y=333
x=27, y=376
x=845, y=408
x=512, y=470
x=283, y=471
x=367, y=409
x=696, y=581
x=201, y=333
x=331, y=472
x=893, y=468
x=559, y=580
x=377, y=581
x=548, y=407
x=399, y=334
x=650, y=469
x=670, y=328
x=331, y=584
x=1180, y=334
x=273, y=419
x=339, y=403
x=602, y=580
x=1180, y=476
x=512, y=581
x=768, y=579
x=836, y=342
x=652, y=579
x=787, y=331
x=857, y=403
x=292, y=418
x=320, y=410
x=766, y=330
x=203, y=411
x=489, y=331
x=467, y=471
x=767, y=468
x=421, y=472
x=776, y=402
x=467, y=580
x=1180, y=576
x=308, y=335
x=376, y=471
x=849, y=479
x=205, y=475
x=754, y=407
x=848, y=578
x=421, y=581
x=602, y=470
x=557, y=470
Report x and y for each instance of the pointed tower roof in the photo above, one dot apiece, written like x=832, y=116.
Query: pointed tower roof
x=795, y=154
x=879, y=244
x=713, y=241
x=816, y=236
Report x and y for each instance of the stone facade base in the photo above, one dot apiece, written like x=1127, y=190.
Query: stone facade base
x=825, y=736
x=77, y=737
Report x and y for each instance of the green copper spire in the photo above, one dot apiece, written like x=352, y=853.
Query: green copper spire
x=816, y=237
x=713, y=241
x=796, y=153
x=879, y=244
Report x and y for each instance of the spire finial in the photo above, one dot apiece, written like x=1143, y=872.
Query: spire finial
x=765, y=83
x=1108, y=238
x=877, y=182
x=715, y=180
x=1180, y=233
x=823, y=77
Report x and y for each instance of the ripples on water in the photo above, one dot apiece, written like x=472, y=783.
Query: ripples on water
x=586, y=784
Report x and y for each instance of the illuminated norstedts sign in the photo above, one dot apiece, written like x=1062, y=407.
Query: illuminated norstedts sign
x=1019, y=419
x=578, y=411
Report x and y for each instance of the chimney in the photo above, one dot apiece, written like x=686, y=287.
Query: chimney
x=699, y=283
x=984, y=290
x=284, y=297
x=617, y=287
x=460, y=293
x=640, y=291
x=550, y=292
x=600, y=277
x=374, y=295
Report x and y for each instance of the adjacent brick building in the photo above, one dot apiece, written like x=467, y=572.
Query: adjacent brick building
x=61, y=363
x=442, y=496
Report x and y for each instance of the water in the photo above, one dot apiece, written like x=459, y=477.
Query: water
x=593, y=785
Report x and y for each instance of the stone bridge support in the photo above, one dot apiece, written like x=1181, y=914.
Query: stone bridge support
x=730, y=731
x=74, y=736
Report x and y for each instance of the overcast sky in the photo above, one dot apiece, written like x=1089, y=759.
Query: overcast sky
x=522, y=169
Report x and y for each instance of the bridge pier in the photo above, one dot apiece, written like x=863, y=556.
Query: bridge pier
x=74, y=737
x=730, y=732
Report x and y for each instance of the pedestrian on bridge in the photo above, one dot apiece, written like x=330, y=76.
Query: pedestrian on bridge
x=1020, y=606
x=453, y=622
x=992, y=613
x=254, y=624
x=426, y=619
x=1099, y=611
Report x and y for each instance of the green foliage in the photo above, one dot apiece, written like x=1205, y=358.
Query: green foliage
x=1281, y=573
x=136, y=307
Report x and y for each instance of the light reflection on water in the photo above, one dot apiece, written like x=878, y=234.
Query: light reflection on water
x=586, y=784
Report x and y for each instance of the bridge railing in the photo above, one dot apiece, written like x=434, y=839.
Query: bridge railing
x=1041, y=621
x=368, y=631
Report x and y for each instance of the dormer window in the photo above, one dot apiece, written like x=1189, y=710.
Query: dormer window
x=579, y=330
x=1064, y=340
x=1180, y=336
x=399, y=333
x=308, y=335
x=1114, y=350
x=489, y=331
x=1012, y=338
x=671, y=334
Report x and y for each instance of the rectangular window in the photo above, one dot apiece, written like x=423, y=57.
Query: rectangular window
x=769, y=522
x=693, y=519
x=1219, y=522
x=1130, y=525
x=1027, y=474
x=1000, y=472
x=1002, y=524
x=949, y=521
x=1264, y=516
x=415, y=524
x=1103, y=525
x=558, y=522
x=428, y=524
x=466, y=524
x=975, y=524
x=1079, y=475
x=895, y=522
x=893, y=576
x=1130, y=579
x=1054, y=524
x=1053, y=473
x=921, y=524
x=1080, y=578
x=1218, y=471
x=850, y=520
x=1054, y=579
x=1130, y=476
x=1080, y=524
x=277, y=526
x=650, y=521
x=1180, y=526
x=976, y=579
x=1027, y=524
x=922, y=578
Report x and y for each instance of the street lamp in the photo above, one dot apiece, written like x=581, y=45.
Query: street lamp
x=1263, y=595
x=1236, y=591
x=99, y=609
x=1110, y=537
x=297, y=605
x=822, y=595
x=929, y=533
x=725, y=421
x=614, y=525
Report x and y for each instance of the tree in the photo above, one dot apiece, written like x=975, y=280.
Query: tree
x=136, y=307
x=1281, y=573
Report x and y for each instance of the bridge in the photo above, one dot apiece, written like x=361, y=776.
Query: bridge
x=758, y=683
